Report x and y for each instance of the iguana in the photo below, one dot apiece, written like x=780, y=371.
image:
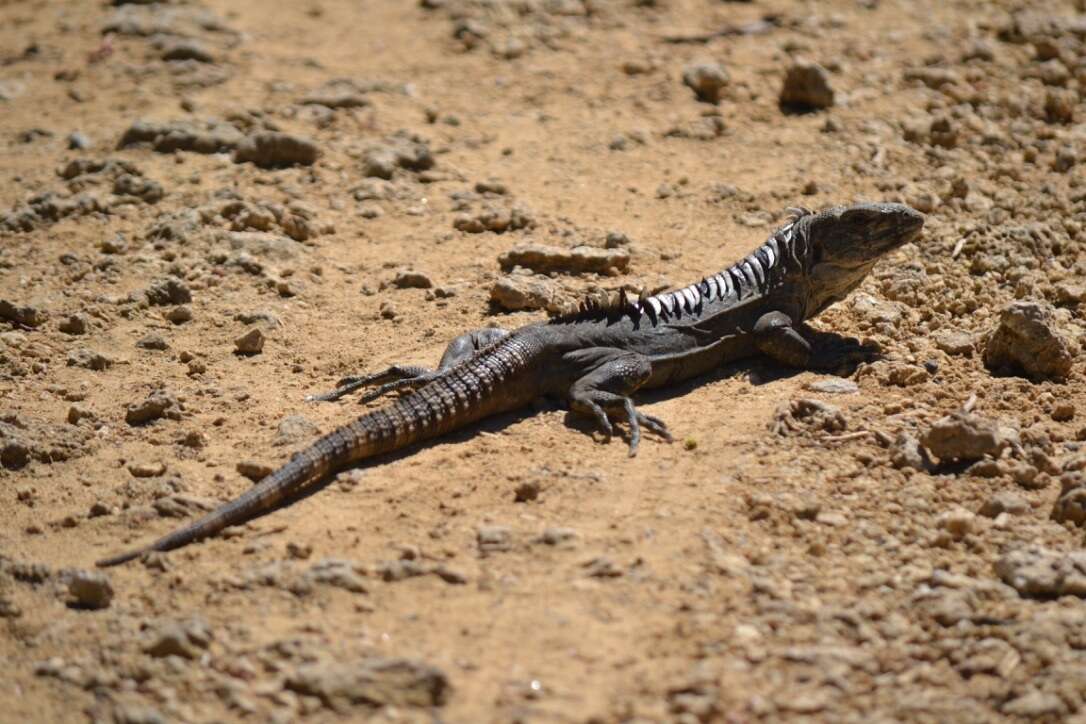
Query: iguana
x=597, y=357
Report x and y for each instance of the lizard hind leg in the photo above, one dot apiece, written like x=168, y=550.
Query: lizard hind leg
x=603, y=391
x=410, y=377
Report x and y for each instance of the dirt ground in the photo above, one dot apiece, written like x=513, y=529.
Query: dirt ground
x=900, y=541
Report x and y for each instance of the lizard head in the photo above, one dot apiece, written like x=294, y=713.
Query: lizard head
x=843, y=244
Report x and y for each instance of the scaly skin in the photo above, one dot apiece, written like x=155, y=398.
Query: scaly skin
x=596, y=359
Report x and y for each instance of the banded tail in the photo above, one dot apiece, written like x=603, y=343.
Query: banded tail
x=478, y=387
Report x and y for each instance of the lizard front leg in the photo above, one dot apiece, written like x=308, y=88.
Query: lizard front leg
x=400, y=377
x=775, y=336
x=609, y=377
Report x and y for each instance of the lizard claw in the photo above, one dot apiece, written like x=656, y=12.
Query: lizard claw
x=656, y=425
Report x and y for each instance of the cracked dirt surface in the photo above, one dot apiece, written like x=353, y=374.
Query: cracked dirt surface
x=209, y=210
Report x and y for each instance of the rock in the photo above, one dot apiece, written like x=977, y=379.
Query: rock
x=152, y=341
x=616, y=239
x=379, y=162
x=806, y=87
x=75, y=324
x=371, y=682
x=1036, y=704
x=250, y=343
x=526, y=492
x=166, y=291
x=336, y=98
x=877, y=311
x=294, y=429
x=967, y=437
x=602, y=567
x=211, y=136
x=78, y=141
x=255, y=471
x=271, y=149
x=706, y=80
x=89, y=589
x=954, y=342
x=185, y=49
x=411, y=279
x=1070, y=507
x=1060, y=105
x=1028, y=341
x=181, y=506
x=299, y=551
x=25, y=315
x=400, y=570
x=554, y=536
x=400, y=151
x=518, y=292
x=337, y=573
x=157, y=405
x=950, y=607
x=145, y=189
x=1004, y=503
x=186, y=639
x=89, y=359
x=1037, y=572
x=493, y=538
x=14, y=454
x=933, y=77
x=943, y=132
x=833, y=386
x=1070, y=293
x=179, y=314
x=906, y=453
x=146, y=469
x=77, y=413
x=957, y=523
x=498, y=219
x=492, y=186
x=805, y=416
x=1063, y=411
x=578, y=260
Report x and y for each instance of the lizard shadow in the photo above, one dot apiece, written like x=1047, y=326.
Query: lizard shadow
x=833, y=354
x=492, y=424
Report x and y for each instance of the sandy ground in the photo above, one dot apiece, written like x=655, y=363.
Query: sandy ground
x=865, y=558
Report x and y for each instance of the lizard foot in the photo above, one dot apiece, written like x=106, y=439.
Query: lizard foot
x=603, y=392
x=603, y=406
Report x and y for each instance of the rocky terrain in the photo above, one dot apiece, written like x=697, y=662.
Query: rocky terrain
x=210, y=209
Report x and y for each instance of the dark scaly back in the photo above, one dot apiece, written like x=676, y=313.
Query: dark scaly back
x=500, y=377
